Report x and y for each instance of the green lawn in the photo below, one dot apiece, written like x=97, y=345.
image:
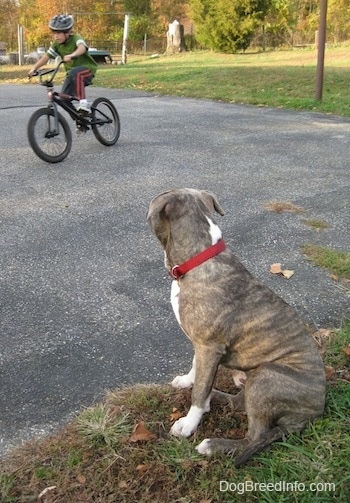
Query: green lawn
x=284, y=79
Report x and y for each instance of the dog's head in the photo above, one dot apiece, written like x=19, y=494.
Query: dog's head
x=180, y=213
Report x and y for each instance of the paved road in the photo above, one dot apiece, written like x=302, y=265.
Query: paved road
x=84, y=295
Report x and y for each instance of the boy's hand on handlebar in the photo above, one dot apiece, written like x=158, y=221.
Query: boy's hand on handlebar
x=32, y=73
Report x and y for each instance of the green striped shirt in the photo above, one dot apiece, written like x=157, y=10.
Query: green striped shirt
x=68, y=47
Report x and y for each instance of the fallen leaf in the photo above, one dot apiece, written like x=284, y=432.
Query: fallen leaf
x=346, y=350
x=81, y=479
x=276, y=268
x=46, y=490
x=141, y=468
x=321, y=335
x=141, y=433
x=330, y=372
x=287, y=273
x=334, y=277
x=123, y=485
x=175, y=415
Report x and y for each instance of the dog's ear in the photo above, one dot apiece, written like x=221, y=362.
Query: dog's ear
x=211, y=202
x=163, y=202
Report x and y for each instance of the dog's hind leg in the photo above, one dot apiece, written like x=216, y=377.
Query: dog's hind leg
x=236, y=402
x=242, y=449
x=210, y=446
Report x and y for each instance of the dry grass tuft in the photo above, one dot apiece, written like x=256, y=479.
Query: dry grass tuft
x=283, y=206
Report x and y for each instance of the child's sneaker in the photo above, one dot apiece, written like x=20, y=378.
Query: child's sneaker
x=84, y=108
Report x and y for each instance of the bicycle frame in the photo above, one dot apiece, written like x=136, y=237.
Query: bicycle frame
x=65, y=101
x=48, y=131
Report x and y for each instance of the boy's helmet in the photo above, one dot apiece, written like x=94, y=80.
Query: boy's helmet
x=62, y=22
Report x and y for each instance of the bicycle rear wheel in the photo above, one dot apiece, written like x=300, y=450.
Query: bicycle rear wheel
x=49, y=144
x=105, y=122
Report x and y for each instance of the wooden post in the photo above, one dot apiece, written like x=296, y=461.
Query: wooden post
x=321, y=49
x=20, y=45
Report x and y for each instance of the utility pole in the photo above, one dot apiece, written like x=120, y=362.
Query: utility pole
x=321, y=49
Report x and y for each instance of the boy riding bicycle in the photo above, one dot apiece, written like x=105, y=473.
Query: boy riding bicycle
x=80, y=70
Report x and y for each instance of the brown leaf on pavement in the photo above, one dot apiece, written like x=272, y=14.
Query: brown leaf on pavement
x=277, y=269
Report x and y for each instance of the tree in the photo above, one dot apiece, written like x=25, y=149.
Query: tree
x=169, y=10
x=8, y=22
x=227, y=25
x=94, y=20
x=338, y=19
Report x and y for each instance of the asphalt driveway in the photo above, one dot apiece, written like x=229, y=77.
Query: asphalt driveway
x=84, y=297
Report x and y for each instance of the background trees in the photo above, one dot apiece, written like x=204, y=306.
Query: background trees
x=221, y=25
x=9, y=15
x=227, y=25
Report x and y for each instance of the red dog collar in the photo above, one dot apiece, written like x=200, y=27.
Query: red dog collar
x=178, y=271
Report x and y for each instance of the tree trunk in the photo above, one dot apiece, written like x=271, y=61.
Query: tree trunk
x=175, y=38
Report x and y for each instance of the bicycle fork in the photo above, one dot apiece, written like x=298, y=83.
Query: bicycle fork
x=52, y=106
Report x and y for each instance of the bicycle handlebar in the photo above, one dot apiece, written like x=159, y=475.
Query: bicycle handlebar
x=41, y=73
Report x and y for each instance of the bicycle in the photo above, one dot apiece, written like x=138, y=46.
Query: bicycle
x=48, y=131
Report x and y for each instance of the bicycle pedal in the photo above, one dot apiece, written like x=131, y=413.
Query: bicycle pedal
x=80, y=130
x=84, y=113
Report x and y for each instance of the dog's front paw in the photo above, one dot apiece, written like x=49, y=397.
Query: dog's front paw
x=205, y=447
x=185, y=426
x=181, y=382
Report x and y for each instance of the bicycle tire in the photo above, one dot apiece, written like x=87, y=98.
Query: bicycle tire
x=50, y=149
x=107, y=133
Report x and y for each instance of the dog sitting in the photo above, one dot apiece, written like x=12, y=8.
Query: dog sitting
x=234, y=320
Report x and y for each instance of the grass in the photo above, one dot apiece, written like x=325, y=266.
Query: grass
x=316, y=224
x=336, y=261
x=285, y=79
x=96, y=459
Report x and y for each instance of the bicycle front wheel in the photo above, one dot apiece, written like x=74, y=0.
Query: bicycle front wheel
x=105, y=122
x=50, y=141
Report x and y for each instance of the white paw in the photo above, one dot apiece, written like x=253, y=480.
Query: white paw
x=205, y=448
x=184, y=381
x=185, y=426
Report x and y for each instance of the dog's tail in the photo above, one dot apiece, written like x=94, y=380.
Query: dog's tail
x=264, y=441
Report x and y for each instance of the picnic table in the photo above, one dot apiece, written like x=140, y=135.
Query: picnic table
x=101, y=56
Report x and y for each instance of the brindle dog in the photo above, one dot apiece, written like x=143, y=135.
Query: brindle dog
x=234, y=320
